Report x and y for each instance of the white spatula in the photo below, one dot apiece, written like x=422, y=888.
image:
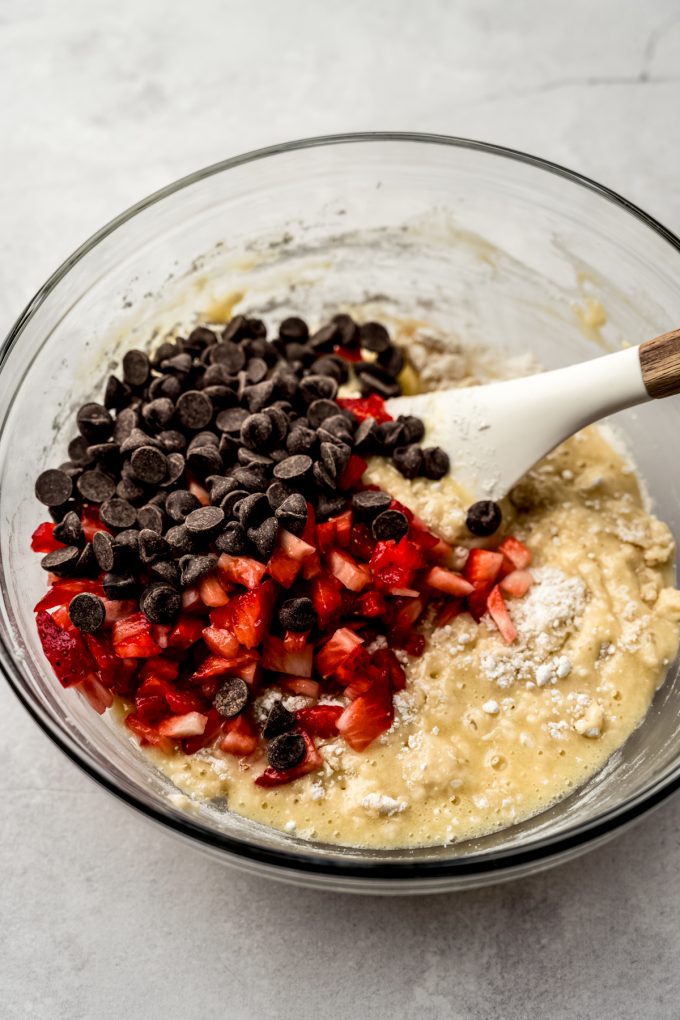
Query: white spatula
x=493, y=434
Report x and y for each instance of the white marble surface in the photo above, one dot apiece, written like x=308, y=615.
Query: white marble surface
x=101, y=916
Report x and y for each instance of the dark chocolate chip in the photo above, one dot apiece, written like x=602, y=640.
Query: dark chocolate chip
x=167, y=570
x=179, y=364
x=231, y=420
x=130, y=490
x=367, y=505
x=319, y=410
x=118, y=514
x=392, y=361
x=293, y=469
x=390, y=524
x=228, y=354
x=137, y=439
x=136, y=368
x=61, y=562
x=160, y=602
x=194, y=410
x=220, y=486
x=257, y=397
x=126, y=421
x=277, y=492
x=220, y=396
x=173, y=441
x=106, y=456
x=390, y=435
x=167, y=386
x=286, y=751
x=193, y=568
x=252, y=509
x=57, y=513
x=280, y=423
x=152, y=546
x=256, y=431
x=69, y=530
x=414, y=429
x=232, y=539
x=86, y=612
x=236, y=329
x=297, y=614
x=250, y=457
x=125, y=551
x=95, y=486
x=94, y=422
x=483, y=518
x=279, y=721
x=232, y=697
x=291, y=513
x=250, y=479
x=149, y=465
x=324, y=478
x=318, y=387
x=435, y=462
x=335, y=458
x=286, y=384
x=257, y=370
x=374, y=337
x=301, y=440
x=408, y=460
x=78, y=450
x=329, y=506
x=206, y=521
x=87, y=565
x=324, y=339
x=180, y=539
x=202, y=337
x=366, y=437
x=175, y=469
x=158, y=413
x=102, y=546
x=377, y=381
x=205, y=460
x=162, y=352
x=218, y=375
x=229, y=501
x=264, y=537
x=294, y=329
x=339, y=427
x=116, y=393
x=119, y=587
x=347, y=334
x=334, y=367
x=151, y=518
x=53, y=487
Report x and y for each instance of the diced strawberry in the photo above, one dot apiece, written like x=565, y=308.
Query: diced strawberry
x=199, y=492
x=360, y=685
x=516, y=552
x=160, y=632
x=132, y=638
x=64, y=650
x=63, y=620
x=283, y=569
x=241, y=570
x=449, y=582
x=405, y=593
x=91, y=521
x=517, y=583
x=295, y=640
x=353, y=473
x=311, y=567
x=118, y=609
x=211, y=591
x=343, y=527
x=324, y=592
x=240, y=738
x=357, y=663
x=394, y=564
x=248, y=616
x=386, y=661
x=367, y=716
x=183, y=702
x=300, y=686
x=476, y=602
x=336, y=650
x=414, y=645
x=325, y=535
x=178, y=727
x=161, y=667
x=361, y=542
x=320, y=720
x=221, y=641
x=214, y=725
x=482, y=567
x=61, y=593
x=98, y=696
x=351, y=574
x=294, y=547
x=311, y=762
x=370, y=604
x=448, y=612
x=352, y=354
x=279, y=659
x=192, y=601
x=106, y=661
x=498, y=612
x=151, y=700
x=147, y=733
x=186, y=632
x=406, y=614
x=309, y=534
x=372, y=406
x=217, y=665
x=43, y=540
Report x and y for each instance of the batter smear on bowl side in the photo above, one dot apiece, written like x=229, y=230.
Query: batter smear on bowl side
x=284, y=595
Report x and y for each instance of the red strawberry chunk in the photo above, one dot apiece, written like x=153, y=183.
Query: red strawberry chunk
x=147, y=733
x=283, y=569
x=132, y=638
x=106, y=661
x=476, y=602
x=98, y=696
x=367, y=716
x=299, y=686
x=248, y=616
x=372, y=406
x=186, y=632
x=448, y=581
x=294, y=547
x=406, y=615
x=161, y=667
x=516, y=552
x=353, y=473
x=64, y=650
x=91, y=521
x=279, y=659
x=311, y=762
x=325, y=535
x=448, y=612
x=386, y=661
x=311, y=567
x=192, y=601
x=181, y=726
x=213, y=727
x=343, y=527
x=370, y=604
x=498, y=612
x=394, y=564
x=240, y=738
x=351, y=574
x=482, y=567
x=150, y=700
x=241, y=570
x=295, y=640
x=324, y=592
x=118, y=609
x=211, y=591
x=183, y=702
x=221, y=641
x=216, y=665
x=361, y=542
x=335, y=651
x=517, y=583
x=320, y=720
x=43, y=540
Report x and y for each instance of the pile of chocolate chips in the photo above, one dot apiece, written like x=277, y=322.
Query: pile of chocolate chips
x=253, y=421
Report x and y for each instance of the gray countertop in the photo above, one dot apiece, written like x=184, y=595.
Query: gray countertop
x=103, y=916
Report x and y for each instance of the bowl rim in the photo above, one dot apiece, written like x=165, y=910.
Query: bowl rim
x=545, y=849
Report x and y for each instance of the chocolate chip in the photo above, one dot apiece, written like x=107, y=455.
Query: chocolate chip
x=413, y=428
x=116, y=393
x=53, y=487
x=118, y=514
x=252, y=509
x=334, y=367
x=102, y=546
x=179, y=364
x=392, y=361
x=318, y=387
x=276, y=493
x=160, y=602
x=162, y=352
x=249, y=479
x=194, y=410
x=232, y=539
x=86, y=612
x=231, y=420
x=291, y=513
x=87, y=565
x=367, y=505
x=286, y=383
x=335, y=458
x=137, y=439
x=202, y=337
x=301, y=440
x=257, y=370
x=232, y=697
x=136, y=368
x=329, y=506
x=152, y=546
x=193, y=568
x=408, y=460
x=94, y=422
x=236, y=329
x=255, y=328
x=126, y=421
x=106, y=456
x=347, y=331
x=258, y=396
x=149, y=465
x=57, y=513
x=119, y=587
x=325, y=338
x=95, y=486
x=279, y=721
x=339, y=427
x=173, y=441
x=228, y=354
x=167, y=386
x=125, y=551
x=390, y=524
x=366, y=437
x=390, y=435
x=167, y=570
x=294, y=329
x=180, y=540
x=483, y=518
x=374, y=337
x=229, y=502
x=264, y=537
x=206, y=521
x=435, y=462
x=260, y=460
x=129, y=490
x=69, y=530
x=220, y=396
x=61, y=562
x=377, y=381
x=323, y=477
x=220, y=486
x=78, y=450
x=286, y=751
x=151, y=517
x=158, y=413
x=280, y=423
x=180, y=504
x=297, y=614
x=319, y=410
x=256, y=431
x=294, y=469
x=205, y=460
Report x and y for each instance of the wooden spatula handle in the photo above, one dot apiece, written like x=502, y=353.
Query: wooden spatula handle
x=660, y=364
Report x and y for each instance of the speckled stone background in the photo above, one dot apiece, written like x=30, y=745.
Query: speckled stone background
x=102, y=916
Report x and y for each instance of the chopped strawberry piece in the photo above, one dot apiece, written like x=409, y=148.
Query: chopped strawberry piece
x=240, y=738
x=106, y=661
x=394, y=564
x=183, y=702
x=368, y=716
x=449, y=582
x=324, y=592
x=294, y=547
x=192, y=601
x=353, y=473
x=325, y=535
x=181, y=726
x=407, y=612
x=498, y=611
x=476, y=602
x=311, y=761
x=211, y=591
x=199, y=492
x=61, y=593
x=372, y=406
x=91, y=521
x=299, y=685
x=64, y=650
x=132, y=638
x=283, y=569
x=351, y=574
x=279, y=659
x=160, y=667
x=517, y=583
x=43, y=540
x=186, y=632
x=241, y=570
x=151, y=700
x=147, y=733
x=357, y=663
x=98, y=696
x=359, y=686
x=214, y=725
x=343, y=527
x=448, y=612
x=217, y=665
x=370, y=604
x=320, y=720
x=118, y=609
x=361, y=542
x=337, y=650
x=295, y=640
x=221, y=641
x=386, y=661
x=348, y=353
x=482, y=567
x=516, y=552
x=309, y=534
x=63, y=620
x=414, y=645
x=311, y=567
x=248, y=616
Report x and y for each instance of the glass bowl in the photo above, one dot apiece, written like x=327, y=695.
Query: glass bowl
x=482, y=242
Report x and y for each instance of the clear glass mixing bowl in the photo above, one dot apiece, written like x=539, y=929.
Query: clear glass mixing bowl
x=482, y=242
